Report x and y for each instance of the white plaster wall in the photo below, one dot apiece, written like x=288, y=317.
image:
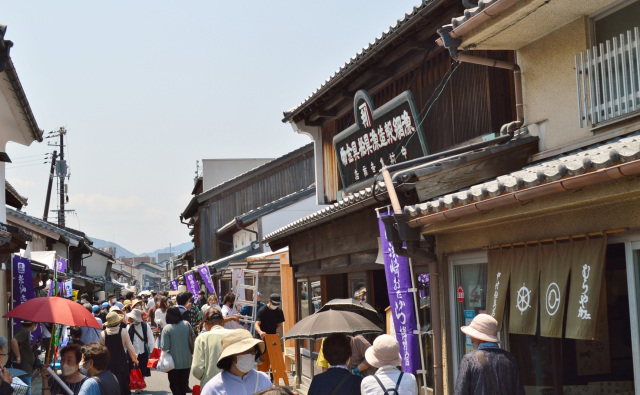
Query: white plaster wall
x=96, y=265
x=549, y=85
x=283, y=217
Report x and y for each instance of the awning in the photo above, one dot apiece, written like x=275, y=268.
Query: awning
x=222, y=263
x=47, y=258
x=266, y=264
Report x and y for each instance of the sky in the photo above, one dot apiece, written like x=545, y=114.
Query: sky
x=147, y=88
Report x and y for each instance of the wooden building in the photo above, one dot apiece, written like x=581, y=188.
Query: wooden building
x=461, y=108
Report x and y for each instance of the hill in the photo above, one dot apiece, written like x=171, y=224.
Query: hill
x=123, y=252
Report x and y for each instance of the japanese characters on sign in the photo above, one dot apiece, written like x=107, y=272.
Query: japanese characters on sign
x=405, y=323
x=206, y=278
x=61, y=265
x=378, y=138
x=23, y=290
x=174, y=285
x=192, y=284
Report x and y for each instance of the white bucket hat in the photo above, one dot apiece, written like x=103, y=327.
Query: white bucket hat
x=483, y=327
x=385, y=351
x=135, y=315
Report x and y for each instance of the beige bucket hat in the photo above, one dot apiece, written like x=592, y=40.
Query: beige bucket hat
x=238, y=341
x=384, y=351
x=483, y=327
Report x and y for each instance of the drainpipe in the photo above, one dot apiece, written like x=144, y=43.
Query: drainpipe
x=398, y=232
x=452, y=45
x=239, y=225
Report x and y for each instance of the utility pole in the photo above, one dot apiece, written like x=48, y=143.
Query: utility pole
x=60, y=165
x=62, y=173
x=49, y=186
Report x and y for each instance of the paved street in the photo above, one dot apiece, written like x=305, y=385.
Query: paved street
x=158, y=383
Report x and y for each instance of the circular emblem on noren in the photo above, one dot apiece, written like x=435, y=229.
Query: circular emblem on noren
x=553, y=299
x=524, y=299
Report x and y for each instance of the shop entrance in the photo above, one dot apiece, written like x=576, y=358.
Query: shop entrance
x=604, y=365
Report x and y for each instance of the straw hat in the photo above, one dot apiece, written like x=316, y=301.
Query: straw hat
x=385, y=351
x=127, y=303
x=135, y=302
x=135, y=315
x=113, y=319
x=238, y=341
x=483, y=327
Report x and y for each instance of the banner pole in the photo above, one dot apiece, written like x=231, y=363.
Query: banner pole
x=423, y=362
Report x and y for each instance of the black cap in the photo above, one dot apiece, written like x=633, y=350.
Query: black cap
x=274, y=298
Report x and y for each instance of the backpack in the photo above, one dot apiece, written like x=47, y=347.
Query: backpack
x=387, y=391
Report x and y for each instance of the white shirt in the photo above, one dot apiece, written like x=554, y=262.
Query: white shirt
x=389, y=376
x=160, y=318
x=226, y=383
x=150, y=303
x=138, y=345
x=226, y=312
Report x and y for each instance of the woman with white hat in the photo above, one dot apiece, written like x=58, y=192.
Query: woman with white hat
x=117, y=341
x=487, y=369
x=385, y=355
x=238, y=361
x=141, y=337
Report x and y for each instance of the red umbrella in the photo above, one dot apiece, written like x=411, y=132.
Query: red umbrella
x=55, y=310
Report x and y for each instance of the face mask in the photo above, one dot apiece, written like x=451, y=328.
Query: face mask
x=68, y=370
x=138, y=308
x=272, y=307
x=82, y=368
x=245, y=362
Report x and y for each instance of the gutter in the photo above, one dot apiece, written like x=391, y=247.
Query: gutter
x=565, y=185
x=488, y=13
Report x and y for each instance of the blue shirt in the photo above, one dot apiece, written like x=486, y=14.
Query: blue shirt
x=227, y=383
x=90, y=387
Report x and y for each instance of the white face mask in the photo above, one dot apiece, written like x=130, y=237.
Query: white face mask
x=272, y=307
x=68, y=370
x=82, y=369
x=245, y=362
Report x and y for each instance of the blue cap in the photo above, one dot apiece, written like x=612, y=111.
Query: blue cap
x=105, y=304
x=94, y=308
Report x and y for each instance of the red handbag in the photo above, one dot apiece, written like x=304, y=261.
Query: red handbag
x=153, y=358
x=136, y=381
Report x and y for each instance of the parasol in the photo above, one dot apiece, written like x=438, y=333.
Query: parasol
x=55, y=310
x=323, y=324
x=145, y=292
x=354, y=306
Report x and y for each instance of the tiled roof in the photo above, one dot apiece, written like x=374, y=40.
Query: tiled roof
x=19, y=198
x=619, y=150
x=471, y=12
x=43, y=224
x=362, y=54
x=364, y=196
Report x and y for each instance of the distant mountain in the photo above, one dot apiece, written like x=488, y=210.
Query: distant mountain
x=176, y=250
x=120, y=250
x=123, y=252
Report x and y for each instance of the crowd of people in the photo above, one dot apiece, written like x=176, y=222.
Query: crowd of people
x=227, y=354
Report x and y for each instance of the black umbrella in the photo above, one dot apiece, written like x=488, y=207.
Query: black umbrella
x=323, y=324
x=355, y=306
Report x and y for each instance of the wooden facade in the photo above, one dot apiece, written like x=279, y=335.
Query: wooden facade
x=265, y=184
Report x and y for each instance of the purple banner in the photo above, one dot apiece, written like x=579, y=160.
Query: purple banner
x=398, y=276
x=174, y=285
x=52, y=286
x=206, y=277
x=192, y=284
x=23, y=290
x=61, y=265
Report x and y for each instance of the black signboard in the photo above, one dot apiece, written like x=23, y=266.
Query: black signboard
x=382, y=137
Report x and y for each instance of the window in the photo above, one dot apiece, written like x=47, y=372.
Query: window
x=608, y=73
x=467, y=283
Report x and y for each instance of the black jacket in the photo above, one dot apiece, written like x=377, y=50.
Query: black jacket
x=324, y=383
